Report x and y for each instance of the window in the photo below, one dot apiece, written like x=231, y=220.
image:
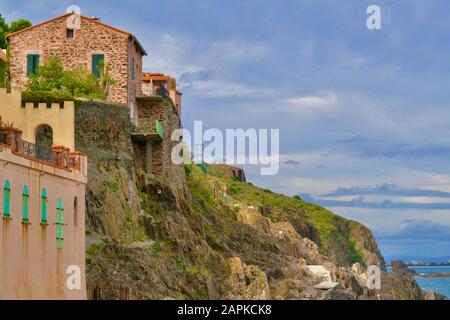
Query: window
x=6, y=200
x=70, y=33
x=25, y=205
x=75, y=212
x=32, y=64
x=59, y=224
x=97, y=60
x=44, y=206
x=132, y=68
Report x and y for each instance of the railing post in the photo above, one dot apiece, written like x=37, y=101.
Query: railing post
x=58, y=155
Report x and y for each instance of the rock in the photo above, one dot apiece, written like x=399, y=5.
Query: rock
x=247, y=282
x=253, y=218
x=401, y=268
x=433, y=295
x=326, y=285
x=284, y=229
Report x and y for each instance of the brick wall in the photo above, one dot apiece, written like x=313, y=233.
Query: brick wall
x=50, y=39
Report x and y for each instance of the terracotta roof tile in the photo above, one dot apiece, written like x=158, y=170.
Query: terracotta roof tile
x=147, y=76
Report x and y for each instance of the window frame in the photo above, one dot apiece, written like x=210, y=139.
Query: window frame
x=72, y=31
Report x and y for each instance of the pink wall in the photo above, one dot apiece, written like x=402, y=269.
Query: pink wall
x=31, y=266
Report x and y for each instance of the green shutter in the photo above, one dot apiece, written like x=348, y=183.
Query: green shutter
x=25, y=205
x=32, y=64
x=44, y=206
x=35, y=63
x=160, y=129
x=96, y=60
x=6, y=200
x=59, y=224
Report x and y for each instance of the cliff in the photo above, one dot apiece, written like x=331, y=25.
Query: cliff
x=219, y=239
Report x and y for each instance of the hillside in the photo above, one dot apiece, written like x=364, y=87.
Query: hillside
x=218, y=239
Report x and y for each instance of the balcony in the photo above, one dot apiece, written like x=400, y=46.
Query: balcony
x=148, y=129
x=56, y=156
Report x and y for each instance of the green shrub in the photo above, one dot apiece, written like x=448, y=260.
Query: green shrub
x=48, y=97
x=77, y=83
x=2, y=73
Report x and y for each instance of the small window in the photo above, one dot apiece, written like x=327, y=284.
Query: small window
x=132, y=68
x=7, y=200
x=25, y=205
x=59, y=224
x=32, y=64
x=44, y=206
x=70, y=33
x=97, y=61
x=75, y=212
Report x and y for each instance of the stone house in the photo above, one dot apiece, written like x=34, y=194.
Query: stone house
x=80, y=42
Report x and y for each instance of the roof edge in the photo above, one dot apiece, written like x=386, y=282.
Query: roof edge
x=39, y=24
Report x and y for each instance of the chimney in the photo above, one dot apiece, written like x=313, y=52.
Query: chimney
x=96, y=19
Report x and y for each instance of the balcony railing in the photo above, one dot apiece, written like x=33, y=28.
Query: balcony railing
x=57, y=156
x=36, y=151
x=149, y=126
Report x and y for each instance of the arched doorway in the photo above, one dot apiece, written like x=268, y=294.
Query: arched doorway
x=44, y=136
x=44, y=142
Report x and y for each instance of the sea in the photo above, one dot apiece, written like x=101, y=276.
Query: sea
x=441, y=285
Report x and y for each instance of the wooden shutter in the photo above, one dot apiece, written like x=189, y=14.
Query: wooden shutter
x=96, y=60
x=44, y=206
x=32, y=64
x=25, y=205
x=59, y=224
x=7, y=200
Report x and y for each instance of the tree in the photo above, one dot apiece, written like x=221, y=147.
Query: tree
x=4, y=28
x=18, y=25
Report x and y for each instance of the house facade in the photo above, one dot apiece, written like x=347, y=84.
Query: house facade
x=42, y=197
x=80, y=42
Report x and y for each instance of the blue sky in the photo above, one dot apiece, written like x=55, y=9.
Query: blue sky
x=355, y=108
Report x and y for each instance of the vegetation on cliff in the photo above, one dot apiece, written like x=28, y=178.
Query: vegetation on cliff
x=222, y=239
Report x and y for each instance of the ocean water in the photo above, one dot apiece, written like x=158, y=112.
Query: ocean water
x=441, y=285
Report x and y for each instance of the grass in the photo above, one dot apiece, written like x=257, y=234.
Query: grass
x=329, y=227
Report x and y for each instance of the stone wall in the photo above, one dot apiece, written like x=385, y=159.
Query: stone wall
x=49, y=39
x=163, y=110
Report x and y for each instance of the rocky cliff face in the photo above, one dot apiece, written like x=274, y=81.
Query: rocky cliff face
x=221, y=239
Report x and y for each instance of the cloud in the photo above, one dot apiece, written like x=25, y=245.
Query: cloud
x=317, y=101
x=419, y=230
x=386, y=190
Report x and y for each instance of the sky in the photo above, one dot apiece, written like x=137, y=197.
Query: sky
x=356, y=108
